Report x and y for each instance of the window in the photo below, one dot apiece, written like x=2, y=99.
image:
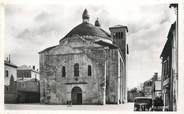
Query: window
x=165, y=68
x=168, y=66
x=89, y=70
x=6, y=73
x=117, y=35
x=63, y=71
x=114, y=35
x=76, y=69
x=121, y=34
x=7, y=88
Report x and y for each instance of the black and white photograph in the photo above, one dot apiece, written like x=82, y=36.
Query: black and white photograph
x=91, y=55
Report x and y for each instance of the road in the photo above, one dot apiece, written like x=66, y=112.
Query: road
x=120, y=107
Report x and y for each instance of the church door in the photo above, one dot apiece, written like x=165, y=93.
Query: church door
x=76, y=95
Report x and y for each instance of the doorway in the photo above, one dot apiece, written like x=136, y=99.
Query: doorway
x=76, y=95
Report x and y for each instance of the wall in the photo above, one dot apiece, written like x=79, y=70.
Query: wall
x=56, y=89
x=30, y=85
x=28, y=97
x=112, y=91
x=28, y=91
x=116, y=78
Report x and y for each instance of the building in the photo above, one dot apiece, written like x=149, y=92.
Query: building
x=147, y=88
x=156, y=86
x=28, y=91
x=174, y=70
x=28, y=85
x=87, y=67
x=10, y=78
x=27, y=72
x=169, y=58
x=133, y=93
x=167, y=81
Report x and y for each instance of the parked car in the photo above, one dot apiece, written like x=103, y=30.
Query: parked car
x=143, y=104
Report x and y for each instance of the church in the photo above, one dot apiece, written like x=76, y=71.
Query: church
x=88, y=66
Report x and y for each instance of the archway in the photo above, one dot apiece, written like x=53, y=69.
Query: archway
x=76, y=95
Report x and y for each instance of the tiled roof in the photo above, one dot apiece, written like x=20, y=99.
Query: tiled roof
x=119, y=26
x=49, y=48
x=87, y=29
x=9, y=64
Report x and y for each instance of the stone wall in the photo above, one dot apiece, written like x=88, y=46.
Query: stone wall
x=56, y=89
x=116, y=78
x=28, y=85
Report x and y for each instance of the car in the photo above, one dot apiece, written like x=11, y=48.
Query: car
x=143, y=104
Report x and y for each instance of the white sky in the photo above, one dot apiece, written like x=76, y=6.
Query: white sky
x=30, y=28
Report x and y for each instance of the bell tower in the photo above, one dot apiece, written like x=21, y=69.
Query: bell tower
x=118, y=34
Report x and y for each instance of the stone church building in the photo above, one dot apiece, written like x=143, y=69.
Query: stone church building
x=87, y=67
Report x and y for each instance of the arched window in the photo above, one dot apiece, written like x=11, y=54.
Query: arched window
x=116, y=35
x=6, y=73
x=63, y=71
x=76, y=69
x=89, y=70
x=121, y=34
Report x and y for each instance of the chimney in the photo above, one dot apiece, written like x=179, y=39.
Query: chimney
x=156, y=75
x=9, y=59
x=33, y=67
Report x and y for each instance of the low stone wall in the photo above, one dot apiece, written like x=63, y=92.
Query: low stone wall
x=10, y=98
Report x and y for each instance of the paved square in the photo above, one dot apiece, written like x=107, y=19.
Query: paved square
x=121, y=107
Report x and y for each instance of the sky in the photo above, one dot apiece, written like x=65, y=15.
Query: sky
x=30, y=28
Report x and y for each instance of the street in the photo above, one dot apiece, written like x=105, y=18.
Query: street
x=120, y=107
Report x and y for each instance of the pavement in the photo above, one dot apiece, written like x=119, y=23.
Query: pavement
x=107, y=107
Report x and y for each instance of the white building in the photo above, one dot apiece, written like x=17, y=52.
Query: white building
x=10, y=78
x=27, y=72
x=10, y=72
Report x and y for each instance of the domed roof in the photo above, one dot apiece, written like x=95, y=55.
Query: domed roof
x=87, y=29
